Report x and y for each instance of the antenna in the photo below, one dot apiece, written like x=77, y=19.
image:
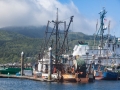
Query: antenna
x=109, y=29
x=95, y=32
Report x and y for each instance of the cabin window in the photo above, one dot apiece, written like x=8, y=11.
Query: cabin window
x=108, y=45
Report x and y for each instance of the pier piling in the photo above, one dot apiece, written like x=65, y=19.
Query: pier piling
x=22, y=63
x=50, y=64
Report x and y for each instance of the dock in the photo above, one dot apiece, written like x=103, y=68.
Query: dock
x=27, y=77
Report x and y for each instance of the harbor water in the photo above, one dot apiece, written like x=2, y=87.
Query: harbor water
x=25, y=84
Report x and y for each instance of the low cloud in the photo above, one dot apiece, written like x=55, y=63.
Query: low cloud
x=38, y=12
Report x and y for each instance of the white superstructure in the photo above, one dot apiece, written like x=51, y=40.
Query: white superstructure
x=109, y=54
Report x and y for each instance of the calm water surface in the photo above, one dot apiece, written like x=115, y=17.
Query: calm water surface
x=24, y=84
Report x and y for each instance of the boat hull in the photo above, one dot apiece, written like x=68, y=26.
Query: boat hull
x=98, y=77
x=69, y=78
x=11, y=70
x=74, y=78
x=110, y=75
x=82, y=80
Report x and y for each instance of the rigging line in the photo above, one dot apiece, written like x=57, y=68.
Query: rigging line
x=71, y=20
x=65, y=18
x=45, y=39
x=50, y=36
x=61, y=27
x=58, y=38
x=61, y=36
x=68, y=37
x=95, y=34
x=67, y=46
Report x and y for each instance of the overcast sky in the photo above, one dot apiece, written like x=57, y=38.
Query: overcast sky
x=38, y=12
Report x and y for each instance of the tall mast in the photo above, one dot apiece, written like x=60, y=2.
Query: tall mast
x=108, y=39
x=56, y=54
x=56, y=23
x=102, y=15
x=57, y=34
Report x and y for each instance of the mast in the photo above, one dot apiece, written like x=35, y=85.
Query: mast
x=102, y=16
x=56, y=55
x=108, y=40
x=57, y=48
x=57, y=37
x=95, y=32
x=64, y=36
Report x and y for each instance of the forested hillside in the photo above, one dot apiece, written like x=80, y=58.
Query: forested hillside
x=12, y=44
x=14, y=40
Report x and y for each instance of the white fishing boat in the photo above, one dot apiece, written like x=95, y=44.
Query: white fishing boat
x=106, y=54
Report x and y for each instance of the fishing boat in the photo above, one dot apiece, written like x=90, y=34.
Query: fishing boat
x=110, y=75
x=60, y=61
x=106, y=54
